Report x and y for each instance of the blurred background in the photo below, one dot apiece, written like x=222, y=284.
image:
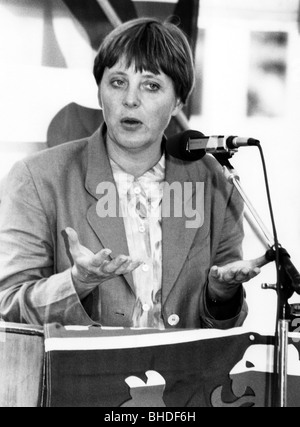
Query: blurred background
x=247, y=56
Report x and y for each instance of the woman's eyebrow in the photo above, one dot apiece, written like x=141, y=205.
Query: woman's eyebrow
x=118, y=72
x=146, y=75
x=152, y=76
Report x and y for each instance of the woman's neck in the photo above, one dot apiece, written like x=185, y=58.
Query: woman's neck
x=135, y=162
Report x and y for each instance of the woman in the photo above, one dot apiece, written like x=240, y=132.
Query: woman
x=66, y=256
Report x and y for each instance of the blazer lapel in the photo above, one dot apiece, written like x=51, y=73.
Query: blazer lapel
x=110, y=229
x=178, y=230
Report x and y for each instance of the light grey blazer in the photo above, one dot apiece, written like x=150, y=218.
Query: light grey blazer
x=56, y=189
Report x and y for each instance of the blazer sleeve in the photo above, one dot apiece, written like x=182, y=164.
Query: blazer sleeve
x=229, y=249
x=30, y=291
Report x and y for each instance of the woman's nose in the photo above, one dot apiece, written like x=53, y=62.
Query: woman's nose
x=131, y=98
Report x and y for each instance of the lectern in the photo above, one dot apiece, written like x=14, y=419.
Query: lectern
x=21, y=365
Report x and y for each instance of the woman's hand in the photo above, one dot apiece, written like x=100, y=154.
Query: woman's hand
x=90, y=270
x=225, y=281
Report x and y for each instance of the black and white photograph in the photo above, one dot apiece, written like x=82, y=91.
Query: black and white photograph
x=149, y=209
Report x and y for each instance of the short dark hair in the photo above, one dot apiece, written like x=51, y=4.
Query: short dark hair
x=152, y=46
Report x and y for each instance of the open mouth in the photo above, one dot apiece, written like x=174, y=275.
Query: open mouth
x=131, y=122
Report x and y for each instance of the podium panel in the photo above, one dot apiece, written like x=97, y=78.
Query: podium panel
x=100, y=367
x=21, y=365
x=103, y=367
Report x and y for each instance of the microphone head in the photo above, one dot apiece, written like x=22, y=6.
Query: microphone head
x=177, y=146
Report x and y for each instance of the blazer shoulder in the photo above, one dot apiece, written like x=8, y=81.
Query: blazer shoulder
x=61, y=159
x=57, y=155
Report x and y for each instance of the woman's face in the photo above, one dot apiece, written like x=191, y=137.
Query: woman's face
x=137, y=107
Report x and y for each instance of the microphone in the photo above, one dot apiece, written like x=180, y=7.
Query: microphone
x=192, y=145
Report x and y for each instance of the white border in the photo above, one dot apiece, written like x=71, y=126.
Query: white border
x=138, y=341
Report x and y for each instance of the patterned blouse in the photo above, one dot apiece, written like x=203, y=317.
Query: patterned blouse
x=141, y=208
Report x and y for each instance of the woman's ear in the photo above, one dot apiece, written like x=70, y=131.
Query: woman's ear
x=178, y=107
x=99, y=97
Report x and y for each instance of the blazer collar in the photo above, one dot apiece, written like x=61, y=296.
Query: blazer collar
x=98, y=169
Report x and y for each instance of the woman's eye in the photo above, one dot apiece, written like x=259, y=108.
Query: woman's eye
x=153, y=87
x=118, y=83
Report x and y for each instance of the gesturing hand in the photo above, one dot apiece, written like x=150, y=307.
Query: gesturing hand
x=90, y=270
x=224, y=281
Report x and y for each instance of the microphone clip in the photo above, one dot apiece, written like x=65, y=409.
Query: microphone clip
x=188, y=146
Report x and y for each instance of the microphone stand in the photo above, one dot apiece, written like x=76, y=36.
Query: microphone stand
x=289, y=282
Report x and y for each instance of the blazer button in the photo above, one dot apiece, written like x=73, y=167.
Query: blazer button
x=173, y=320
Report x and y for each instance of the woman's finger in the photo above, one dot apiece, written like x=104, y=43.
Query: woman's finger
x=129, y=267
x=100, y=257
x=229, y=275
x=243, y=275
x=73, y=241
x=114, y=265
x=215, y=273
